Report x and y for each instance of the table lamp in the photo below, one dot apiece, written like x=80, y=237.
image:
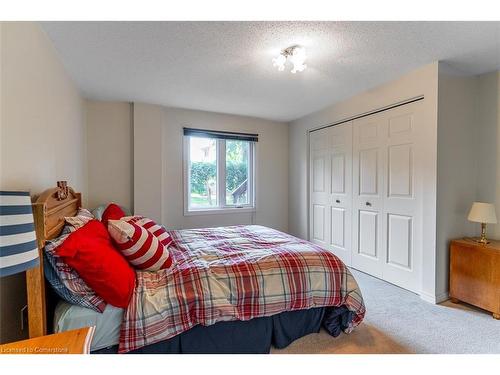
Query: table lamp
x=18, y=246
x=483, y=213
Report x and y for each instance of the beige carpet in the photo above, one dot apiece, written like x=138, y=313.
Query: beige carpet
x=365, y=339
x=398, y=321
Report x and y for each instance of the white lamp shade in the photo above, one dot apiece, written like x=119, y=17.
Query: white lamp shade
x=482, y=213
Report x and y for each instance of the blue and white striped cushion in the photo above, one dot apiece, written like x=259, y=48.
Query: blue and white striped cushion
x=18, y=247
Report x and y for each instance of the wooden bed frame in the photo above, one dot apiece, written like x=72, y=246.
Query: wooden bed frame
x=49, y=210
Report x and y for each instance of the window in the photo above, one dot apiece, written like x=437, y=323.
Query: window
x=219, y=171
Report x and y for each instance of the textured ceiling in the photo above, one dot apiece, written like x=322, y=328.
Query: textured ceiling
x=226, y=66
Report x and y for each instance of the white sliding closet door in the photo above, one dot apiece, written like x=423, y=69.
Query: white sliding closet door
x=403, y=198
x=369, y=156
x=387, y=202
x=331, y=189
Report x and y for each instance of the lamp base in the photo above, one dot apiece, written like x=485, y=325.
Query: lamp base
x=481, y=241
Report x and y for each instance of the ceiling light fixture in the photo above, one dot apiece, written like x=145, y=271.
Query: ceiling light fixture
x=295, y=54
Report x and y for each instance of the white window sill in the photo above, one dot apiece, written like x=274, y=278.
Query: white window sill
x=219, y=211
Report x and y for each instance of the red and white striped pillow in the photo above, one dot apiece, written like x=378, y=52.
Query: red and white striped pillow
x=157, y=230
x=139, y=246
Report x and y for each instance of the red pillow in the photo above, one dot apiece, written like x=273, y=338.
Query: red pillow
x=90, y=252
x=112, y=212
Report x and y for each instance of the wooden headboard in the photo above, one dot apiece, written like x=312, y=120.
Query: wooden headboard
x=49, y=210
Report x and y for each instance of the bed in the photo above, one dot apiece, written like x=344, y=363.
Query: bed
x=236, y=289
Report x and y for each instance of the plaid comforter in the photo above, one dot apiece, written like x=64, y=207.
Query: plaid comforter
x=234, y=273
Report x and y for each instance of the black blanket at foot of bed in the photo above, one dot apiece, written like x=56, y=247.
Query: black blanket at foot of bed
x=252, y=336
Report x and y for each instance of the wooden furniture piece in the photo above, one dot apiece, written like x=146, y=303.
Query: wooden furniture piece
x=76, y=341
x=475, y=274
x=49, y=210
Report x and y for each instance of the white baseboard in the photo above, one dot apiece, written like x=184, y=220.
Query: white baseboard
x=435, y=299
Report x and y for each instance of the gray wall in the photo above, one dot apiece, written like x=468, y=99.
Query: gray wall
x=109, y=153
x=457, y=154
x=488, y=141
x=158, y=166
x=135, y=158
x=42, y=140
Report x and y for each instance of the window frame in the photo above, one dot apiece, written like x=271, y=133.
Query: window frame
x=222, y=207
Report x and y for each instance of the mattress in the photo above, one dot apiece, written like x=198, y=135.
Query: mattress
x=107, y=324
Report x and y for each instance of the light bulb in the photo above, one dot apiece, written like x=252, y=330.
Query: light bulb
x=297, y=59
x=296, y=55
x=298, y=68
x=279, y=62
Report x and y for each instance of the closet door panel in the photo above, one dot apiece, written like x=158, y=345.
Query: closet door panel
x=368, y=172
x=341, y=191
x=320, y=202
x=331, y=189
x=318, y=173
x=338, y=173
x=399, y=240
x=368, y=228
x=319, y=225
x=400, y=181
x=402, y=206
x=319, y=169
x=369, y=152
x=338, y=227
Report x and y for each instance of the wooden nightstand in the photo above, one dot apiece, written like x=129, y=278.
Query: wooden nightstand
x=76, y=341
x=475, y=274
